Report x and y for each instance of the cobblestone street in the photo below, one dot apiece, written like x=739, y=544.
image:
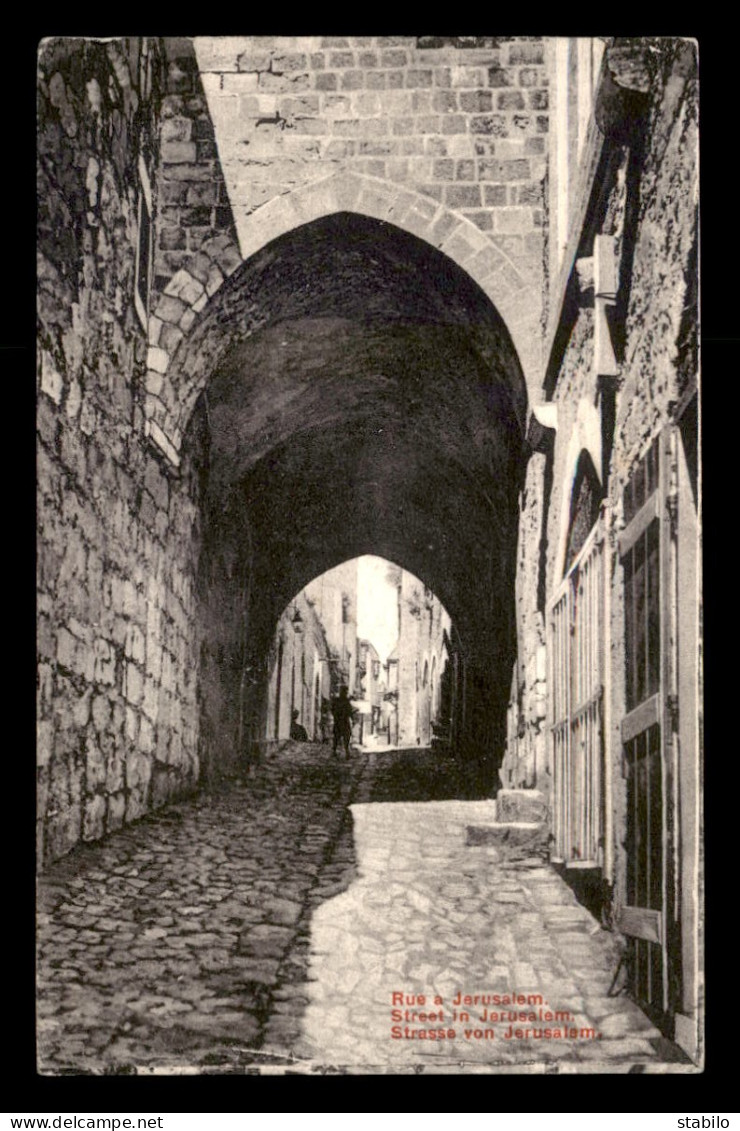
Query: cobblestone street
x=269, y=926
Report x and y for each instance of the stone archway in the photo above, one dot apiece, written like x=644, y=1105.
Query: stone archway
x=358, y=394
x=193, y=297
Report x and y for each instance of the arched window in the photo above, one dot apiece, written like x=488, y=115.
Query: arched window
x=585, y=500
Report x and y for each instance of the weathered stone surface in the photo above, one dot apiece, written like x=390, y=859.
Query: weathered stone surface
x=529, y=805
x=647, y=109
x=451, y=147
x=512, y=841
x=160, y=943
x=387, y=113
x=92, y=554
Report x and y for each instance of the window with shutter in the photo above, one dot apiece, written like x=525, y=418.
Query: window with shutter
x=143, y=266
x=576, y=681
x=644, y=553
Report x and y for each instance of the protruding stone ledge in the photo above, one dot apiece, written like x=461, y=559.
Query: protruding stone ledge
x=520, y=831
x=516, y=806
x=627, y=60
x=542, y=426
x=518, y=842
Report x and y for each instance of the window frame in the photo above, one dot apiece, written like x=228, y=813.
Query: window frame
x=648, y=927
x=578, y=710
x=145, y=202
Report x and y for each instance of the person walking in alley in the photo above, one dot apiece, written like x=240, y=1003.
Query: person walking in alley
x=297, y=732
x=343, y=713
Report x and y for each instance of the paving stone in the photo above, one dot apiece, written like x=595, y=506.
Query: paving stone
x=204, y=935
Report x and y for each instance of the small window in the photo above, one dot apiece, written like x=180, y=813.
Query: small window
x=144, y=246
x=642, y=483
x=145, y=70
x=584, y=507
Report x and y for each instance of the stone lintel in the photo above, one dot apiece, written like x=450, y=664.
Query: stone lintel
x=542, y=426
x=627, y=61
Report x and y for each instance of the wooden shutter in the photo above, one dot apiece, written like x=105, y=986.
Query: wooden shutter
x=647, y=560
x=577, y=623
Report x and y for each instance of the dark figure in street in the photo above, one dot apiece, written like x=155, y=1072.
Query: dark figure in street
x=297, y=732
x=326, y=723
x=343, y=713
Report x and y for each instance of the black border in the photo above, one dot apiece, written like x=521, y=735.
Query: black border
x=27, y=1091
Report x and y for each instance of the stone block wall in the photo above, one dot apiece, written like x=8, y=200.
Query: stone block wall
x=650, y=207
x=231, y=677
x=467, y=126
x=649, y=204
x=423, y=622
x=525, y=760
x=117, y=533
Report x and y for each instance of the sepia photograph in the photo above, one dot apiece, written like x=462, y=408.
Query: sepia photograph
x=369, y=597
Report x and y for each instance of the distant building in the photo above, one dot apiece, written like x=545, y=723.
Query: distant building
x=369, y=688
x=415, y=668
x=334, y=598
x=299, y=674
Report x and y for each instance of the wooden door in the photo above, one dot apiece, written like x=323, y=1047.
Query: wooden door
x=645, y=915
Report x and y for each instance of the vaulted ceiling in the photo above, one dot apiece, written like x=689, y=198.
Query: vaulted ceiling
x=365, y=398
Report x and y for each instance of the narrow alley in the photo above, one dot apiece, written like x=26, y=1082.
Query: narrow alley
x=268, y=927
x=307, y=301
